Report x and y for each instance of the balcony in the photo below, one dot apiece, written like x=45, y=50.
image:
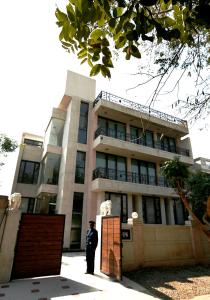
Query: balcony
x=140, y=108
x=113, y=174
x=128, y=182
x=129, y=138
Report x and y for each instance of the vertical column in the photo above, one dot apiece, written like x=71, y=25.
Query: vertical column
x=99, y=198
x=139, y=207
x=130, y=206
x=171, y=212
x=8, y=242
x=163, y=210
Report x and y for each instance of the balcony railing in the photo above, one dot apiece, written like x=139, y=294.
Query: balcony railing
x=140, y=141
x=139, y=107
x=113, y=174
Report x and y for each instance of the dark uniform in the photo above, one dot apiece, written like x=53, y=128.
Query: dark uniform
x=91, y=244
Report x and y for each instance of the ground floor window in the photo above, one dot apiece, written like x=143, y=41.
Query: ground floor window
x=180, y=213
x=46, y=204
x=76, y=223
x=151, y=210
x=119, y=205
x=27, y=205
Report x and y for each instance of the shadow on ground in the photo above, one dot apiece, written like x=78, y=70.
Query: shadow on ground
x=43, y=288
x=156, y=277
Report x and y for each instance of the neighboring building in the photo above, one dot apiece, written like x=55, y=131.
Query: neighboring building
x=101, y=148
x=202, y=164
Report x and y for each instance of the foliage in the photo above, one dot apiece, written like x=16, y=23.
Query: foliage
x=177, y=30
x=198, y=186
x=185, y=185
x=6, y=145
x=175, y=172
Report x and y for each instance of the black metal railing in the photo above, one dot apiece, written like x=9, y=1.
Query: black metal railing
x=113, y=174
x=139, y=107
x=140, y=141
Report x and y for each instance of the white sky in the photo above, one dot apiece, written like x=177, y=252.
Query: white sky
x=33, y=68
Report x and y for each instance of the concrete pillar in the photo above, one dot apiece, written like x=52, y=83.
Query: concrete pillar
x=163, y=210
x=100, y=198
x=130, y=207
x=98, y=249
x=171, y=212
x=140, y=207
x=8, y=235
x=128, y=164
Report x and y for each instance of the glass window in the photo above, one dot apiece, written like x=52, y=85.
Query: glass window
x=121, y=131
x=149, y=138
x=50, y=169
x=27, y=205
x=33, y=143
x=83, y=123
x=143, y=170
x=151, y=210
x=134, y=135
x=180, y=215
x=29, y=172
x=76, y=224
x=121, y=168
x=135, y=170
x=80, y=167
x=119, y=205
x=54, y=133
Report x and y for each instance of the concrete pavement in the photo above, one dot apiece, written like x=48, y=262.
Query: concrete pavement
x=73, y=284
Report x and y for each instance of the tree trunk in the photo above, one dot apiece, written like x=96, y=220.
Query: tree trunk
x=187, y=206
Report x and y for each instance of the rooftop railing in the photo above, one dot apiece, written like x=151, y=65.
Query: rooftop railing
x=139, y=107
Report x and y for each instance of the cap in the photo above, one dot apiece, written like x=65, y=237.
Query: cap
x=92, y=222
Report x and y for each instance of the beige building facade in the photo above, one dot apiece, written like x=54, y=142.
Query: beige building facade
x=99, y=148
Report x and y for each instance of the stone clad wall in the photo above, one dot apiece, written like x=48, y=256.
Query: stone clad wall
x=163, y=245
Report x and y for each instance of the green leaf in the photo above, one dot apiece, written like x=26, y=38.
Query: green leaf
x=107, y=62
x=105, y=42
x=135, y=52
x=95, y=34
x=82, y=53
x=105, y=71
x=70, y=12
x=83, y=61
x=112, y=22
x=62, y=17
x=95, y=70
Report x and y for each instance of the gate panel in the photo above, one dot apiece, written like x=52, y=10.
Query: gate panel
x=39, y=246
x=111, y=252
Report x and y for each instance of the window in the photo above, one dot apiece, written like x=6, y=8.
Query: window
x=167, y=143
x=54, y=133
x=80, y=167
x=50, y=169
x=83, y=123
x=46, y=204
x=143, y=172
x=27, y=205
x=180, y=213
x=138, y=136
x=29, y=172
x=33, y=143
x=112, y=128
x=111, y=166
x=119, y=205
x=76, y=224
x=151, y=210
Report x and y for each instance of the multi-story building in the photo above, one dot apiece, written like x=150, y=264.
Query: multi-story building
x=101, y=148
x=202, y=164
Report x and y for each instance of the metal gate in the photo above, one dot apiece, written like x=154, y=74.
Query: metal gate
x=111, y=247
x=39, y=246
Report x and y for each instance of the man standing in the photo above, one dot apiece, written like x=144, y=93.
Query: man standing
x=91, y=244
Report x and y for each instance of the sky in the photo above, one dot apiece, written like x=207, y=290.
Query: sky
x=33, y=69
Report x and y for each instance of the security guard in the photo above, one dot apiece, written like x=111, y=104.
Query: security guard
x=91, y=244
